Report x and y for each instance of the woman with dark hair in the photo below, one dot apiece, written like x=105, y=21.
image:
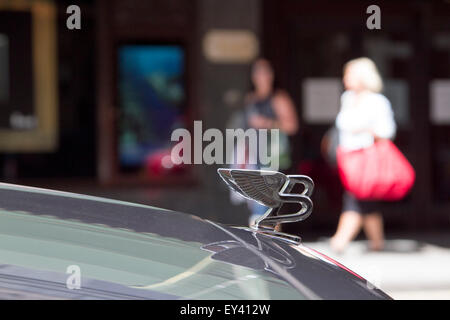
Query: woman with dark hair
x=267, y=108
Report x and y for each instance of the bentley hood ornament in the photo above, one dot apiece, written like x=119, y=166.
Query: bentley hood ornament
x=271, y=189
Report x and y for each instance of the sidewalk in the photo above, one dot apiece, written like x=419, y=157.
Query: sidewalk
x=407, y=269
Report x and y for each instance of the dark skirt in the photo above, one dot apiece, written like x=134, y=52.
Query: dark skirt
x=350, y=203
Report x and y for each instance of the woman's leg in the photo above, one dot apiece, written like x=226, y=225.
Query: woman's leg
x=373, y=227
x=350, y=223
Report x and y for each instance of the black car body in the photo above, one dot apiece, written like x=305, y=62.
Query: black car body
x=131, y=251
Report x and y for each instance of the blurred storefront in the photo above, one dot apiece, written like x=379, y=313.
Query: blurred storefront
x=101, y=102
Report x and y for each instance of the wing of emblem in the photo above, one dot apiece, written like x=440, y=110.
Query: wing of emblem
x=260, y=186
x=271, y=189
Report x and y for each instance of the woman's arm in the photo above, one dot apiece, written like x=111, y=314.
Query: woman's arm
x=384, y=124
x=285, y=111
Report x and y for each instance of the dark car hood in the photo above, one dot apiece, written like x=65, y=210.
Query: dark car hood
x=174, y=254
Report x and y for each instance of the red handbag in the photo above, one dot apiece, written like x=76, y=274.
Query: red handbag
x=379, y=172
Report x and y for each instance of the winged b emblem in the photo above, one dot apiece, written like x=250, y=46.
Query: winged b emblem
x=271, y=189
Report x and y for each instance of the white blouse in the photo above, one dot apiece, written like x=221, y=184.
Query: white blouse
x=372, y=111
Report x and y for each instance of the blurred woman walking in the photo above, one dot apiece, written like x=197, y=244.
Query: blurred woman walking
x=365, y=116
x=270, y=108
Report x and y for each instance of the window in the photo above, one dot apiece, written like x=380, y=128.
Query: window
x=151, y=100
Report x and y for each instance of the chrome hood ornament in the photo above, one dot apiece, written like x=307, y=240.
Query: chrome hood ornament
x=271, y=189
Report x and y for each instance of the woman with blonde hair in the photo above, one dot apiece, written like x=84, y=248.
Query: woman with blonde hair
x=365, y=116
